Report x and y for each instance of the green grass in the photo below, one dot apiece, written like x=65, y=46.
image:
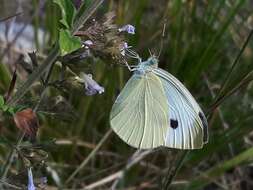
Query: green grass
x=202, y=41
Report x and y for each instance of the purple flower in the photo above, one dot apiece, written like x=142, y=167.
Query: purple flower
x=43, y=180
x=88, y=43
x=130, y=29
x=123, y=47
x=91, y=86
x=30, y=185
x=77, y=3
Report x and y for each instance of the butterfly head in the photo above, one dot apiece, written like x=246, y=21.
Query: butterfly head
x=151, y=62
x=147, y=66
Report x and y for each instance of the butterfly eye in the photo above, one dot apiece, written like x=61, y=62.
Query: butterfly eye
x=173, y=123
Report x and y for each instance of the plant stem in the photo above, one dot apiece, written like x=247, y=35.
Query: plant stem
x=86, y=15
x=174, y=169
x=11, y=157
x=236, y=61
x=93, y=152
x=36, y=74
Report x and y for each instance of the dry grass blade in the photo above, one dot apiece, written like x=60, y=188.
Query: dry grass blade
x=223, y=86
x=90, y=156
x=136, y=158
x=84, y=17
x=9, y=17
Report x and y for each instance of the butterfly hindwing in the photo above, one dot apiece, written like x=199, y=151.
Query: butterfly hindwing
x=140, y=113
x=188, y=126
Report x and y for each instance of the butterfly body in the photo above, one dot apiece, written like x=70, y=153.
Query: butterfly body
x=155, y=109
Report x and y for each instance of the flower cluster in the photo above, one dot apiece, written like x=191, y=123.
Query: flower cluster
x=102, y=39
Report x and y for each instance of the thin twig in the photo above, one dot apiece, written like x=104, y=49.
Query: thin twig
x=9, y=185
x=19, y=33
x=236, y=61
x=11, y=157
x=245, y=81
x=9, y=17
x=135, y=158
x=86, y=15
x=90, y=156
x=174, y=169
x=36, y=74
x=224, y=123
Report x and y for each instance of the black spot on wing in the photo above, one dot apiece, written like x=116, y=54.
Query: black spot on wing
x=205, y=125
x=173, y=123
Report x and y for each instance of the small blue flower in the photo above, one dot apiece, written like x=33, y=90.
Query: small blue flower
x=88, y=43
x=125, y=45
x=122, y=48
x=91, y=86
x=130, y=29
x=30, y=185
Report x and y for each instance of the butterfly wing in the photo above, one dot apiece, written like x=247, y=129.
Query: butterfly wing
x=139, y=114
x=188, y=125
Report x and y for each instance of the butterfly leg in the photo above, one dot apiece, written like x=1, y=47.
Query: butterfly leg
x=129, y=67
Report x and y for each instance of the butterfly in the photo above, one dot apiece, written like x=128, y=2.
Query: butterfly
x=155, y=109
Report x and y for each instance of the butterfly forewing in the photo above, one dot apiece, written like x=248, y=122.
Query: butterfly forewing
x=187, y=129
x=140, y=114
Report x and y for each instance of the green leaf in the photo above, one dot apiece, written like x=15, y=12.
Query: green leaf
x=68, y=43
x=11, y=110
x=1, y=101
x=5, y=108
x=68, y=12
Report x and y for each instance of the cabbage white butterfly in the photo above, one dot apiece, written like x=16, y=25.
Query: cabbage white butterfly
x=155, y=109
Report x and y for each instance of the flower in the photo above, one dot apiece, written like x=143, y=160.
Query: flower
x=30, y=185
x=88, y=43
x=91, y=86
x=130, y=29
x=123, y=47
x=26, y=120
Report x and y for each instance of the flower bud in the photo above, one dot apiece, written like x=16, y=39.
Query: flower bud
x=26, y=120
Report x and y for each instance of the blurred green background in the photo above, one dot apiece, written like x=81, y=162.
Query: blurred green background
x=201, y=43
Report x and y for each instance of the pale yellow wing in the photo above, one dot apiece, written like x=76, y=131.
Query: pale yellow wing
x=140, y=113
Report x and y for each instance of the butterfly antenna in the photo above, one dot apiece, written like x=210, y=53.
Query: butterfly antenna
x=150, y=53
x=162, y=39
